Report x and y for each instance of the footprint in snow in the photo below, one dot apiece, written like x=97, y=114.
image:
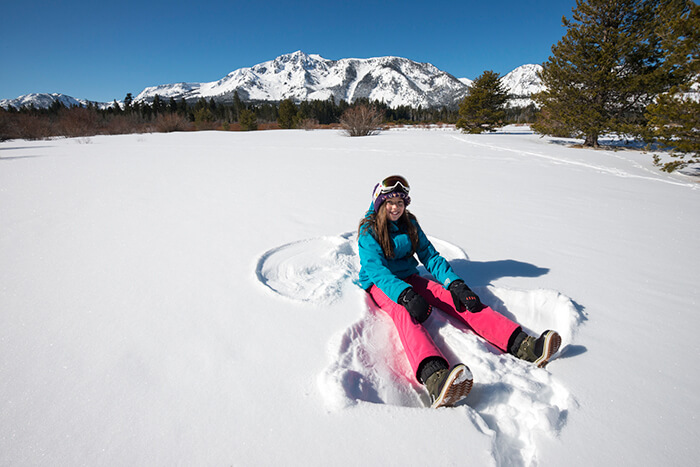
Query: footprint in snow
x=517, y=401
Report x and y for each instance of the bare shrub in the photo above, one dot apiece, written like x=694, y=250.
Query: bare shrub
x=123, y=125
x=166, y=123
x=309, y=124
x=78, y=121
x=24, y=126
x=361, y=120
x=265, y=126
x=8, y=126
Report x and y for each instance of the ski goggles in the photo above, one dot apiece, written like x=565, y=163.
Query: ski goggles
x=393, y=183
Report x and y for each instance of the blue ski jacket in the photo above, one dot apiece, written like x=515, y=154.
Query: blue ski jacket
x=388, y=274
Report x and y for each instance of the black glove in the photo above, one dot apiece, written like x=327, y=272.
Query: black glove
x=416, y=305
x=464, y=297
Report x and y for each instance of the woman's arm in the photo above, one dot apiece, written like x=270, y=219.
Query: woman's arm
x=433, y=262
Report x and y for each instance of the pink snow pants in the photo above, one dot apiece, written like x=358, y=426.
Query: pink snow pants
x=417, y=343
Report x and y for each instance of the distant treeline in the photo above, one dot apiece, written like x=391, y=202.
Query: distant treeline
x=163, y=115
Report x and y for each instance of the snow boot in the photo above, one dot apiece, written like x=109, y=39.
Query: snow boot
x=447, y=387
x=540, y=350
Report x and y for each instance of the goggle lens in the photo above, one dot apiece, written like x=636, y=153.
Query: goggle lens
x=395, y=182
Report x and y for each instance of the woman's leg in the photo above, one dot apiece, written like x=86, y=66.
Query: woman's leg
x=488, y=323
x=415, y=339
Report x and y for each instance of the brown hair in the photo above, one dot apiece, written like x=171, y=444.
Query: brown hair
x=376, y=224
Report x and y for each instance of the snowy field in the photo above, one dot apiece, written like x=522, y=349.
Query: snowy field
x=188, y=299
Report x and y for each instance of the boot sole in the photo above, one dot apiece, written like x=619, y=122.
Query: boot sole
x=552, y=342
x=456, y=387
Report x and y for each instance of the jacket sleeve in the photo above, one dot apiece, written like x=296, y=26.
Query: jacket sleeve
x=375, y=265
x=433, y=262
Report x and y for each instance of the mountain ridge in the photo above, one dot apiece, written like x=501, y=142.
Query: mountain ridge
x=397, y=81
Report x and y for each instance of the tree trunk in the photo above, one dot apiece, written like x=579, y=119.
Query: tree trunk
x=591, y=141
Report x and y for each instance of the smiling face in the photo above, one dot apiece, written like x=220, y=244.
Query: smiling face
x=394, y=208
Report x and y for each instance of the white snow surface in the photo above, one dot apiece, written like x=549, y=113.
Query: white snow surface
x=188, y=299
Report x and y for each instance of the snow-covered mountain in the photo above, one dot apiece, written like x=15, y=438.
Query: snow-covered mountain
x=394, y=80
x=521, y=83
x=300, y=76
x=524, y=80
x=466, y=81
x=42, y=101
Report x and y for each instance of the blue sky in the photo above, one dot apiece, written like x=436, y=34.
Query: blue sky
x=100, y=51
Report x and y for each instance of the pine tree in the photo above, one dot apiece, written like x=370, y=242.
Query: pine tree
x=674, y=118
x=172, y=105
x=483, y=108
x=605, y=70
x=158, y=105
x=237, y=105
x=203, y=116
x=287, y=114
x=182, y=108
x=679, y=28
x=248, y=120
x=675, y=122
x=128, y=101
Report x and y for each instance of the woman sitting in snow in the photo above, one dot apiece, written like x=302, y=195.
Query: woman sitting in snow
x=389, y=239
